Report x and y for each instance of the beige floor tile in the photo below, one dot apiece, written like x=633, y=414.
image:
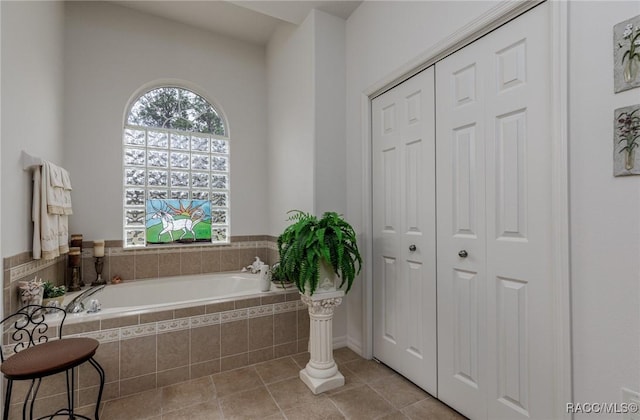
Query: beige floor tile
x=431, y=409
x=351, y=380
x=252, y=404
x=398, y=391
x=301, y=359
x=292, y=393
x=238, y=380
x=396, y=415
x=209, y=410
x=277, y=370
x=344, y=355
x=368, y=370
x=139, y=406
x=89, y=411
x=322, y=409
x=371, y=391
x=187, y=393
x=361, y=403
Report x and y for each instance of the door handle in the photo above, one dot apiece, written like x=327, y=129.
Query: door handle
x=463, y=254
x=412, y=248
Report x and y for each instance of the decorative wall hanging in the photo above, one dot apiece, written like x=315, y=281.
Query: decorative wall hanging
x=626, y=54
x=626, y=138
x=178, y=221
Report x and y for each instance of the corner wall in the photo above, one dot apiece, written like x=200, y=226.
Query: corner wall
x=330, y=113
x=307, y=162
x=306, y=81
x=290, y=81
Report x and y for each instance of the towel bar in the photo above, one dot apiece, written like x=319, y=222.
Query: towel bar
x=29, y=161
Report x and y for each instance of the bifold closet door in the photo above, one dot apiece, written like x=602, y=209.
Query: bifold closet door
x=494, y=241
x=404, y=273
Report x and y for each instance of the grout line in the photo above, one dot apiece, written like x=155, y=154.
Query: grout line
x=336, y=406
x=213, y=385
x=219, y=406
x=383, y=398
x=164, y=411
x=271, y=395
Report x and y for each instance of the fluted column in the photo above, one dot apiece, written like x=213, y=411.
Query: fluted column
x=321, y=373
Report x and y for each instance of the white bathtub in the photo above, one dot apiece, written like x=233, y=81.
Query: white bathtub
x=173, y=292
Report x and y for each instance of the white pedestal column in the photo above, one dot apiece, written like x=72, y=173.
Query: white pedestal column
x=321, y=373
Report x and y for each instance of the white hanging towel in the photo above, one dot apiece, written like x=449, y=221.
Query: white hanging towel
x=59, y=191
x=51, y=207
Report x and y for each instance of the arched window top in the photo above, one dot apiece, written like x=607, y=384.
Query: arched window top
x=176, y=108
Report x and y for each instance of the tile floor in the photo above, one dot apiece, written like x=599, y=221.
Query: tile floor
x=272, y=390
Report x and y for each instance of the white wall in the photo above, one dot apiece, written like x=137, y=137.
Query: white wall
x=605, y=227
x=32, y=92
x=306, y=79
x=329, y=129
x=110, y=53
x=605, y=230
x=330, y=113
x=291, y=122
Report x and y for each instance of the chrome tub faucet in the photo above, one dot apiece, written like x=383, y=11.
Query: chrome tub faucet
x=77, y=304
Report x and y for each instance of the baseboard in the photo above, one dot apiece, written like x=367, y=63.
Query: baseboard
x=354, y=345
x=339, y=342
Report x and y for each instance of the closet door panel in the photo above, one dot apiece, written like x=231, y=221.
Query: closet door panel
x=506, y=229
x=404, y=229
x=519, y=183
x=461, y=231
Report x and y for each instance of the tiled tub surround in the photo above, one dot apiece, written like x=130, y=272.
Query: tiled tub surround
x=22, y=267
x=151, y=349
x=140, y=263
x=142, y=350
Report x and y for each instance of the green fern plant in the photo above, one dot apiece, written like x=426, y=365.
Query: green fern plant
x=308, y=240
x=52, y=291
x=278, y=275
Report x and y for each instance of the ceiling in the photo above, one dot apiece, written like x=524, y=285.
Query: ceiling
x=252, y=21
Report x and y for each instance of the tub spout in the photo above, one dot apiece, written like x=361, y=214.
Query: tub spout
x=77, y=304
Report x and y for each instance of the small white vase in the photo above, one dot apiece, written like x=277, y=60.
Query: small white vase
x=265, y=278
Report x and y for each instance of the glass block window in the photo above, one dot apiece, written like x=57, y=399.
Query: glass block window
x=175, y=170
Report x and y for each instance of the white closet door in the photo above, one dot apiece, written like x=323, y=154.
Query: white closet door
x=494, y=191
x=460, y=151
x=404, y=272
